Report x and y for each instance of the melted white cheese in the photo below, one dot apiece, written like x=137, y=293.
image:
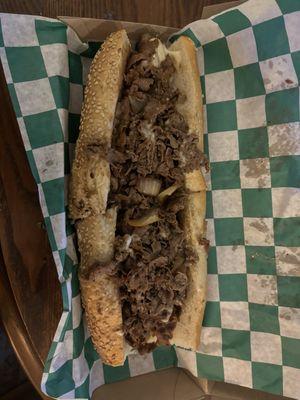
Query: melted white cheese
x=161, y=53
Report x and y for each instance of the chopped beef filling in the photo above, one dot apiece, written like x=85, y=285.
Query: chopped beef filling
x=150, y=140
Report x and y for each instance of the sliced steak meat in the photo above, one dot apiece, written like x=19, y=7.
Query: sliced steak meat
x=153, y=109
x=143, y=84
x=150, y=139
x=147, y=45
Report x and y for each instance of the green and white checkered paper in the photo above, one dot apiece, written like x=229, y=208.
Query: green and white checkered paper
x=249, y=60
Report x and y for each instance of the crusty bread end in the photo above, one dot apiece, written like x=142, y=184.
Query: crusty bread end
x=99, y=292
x=188, y=83
x=90, y=179
x=188, y=329
x=89, y=188
x=100, y=297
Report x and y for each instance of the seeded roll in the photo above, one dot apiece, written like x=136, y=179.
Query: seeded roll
x=137, y=196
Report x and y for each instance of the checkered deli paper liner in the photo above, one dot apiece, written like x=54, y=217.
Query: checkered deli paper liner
x=249, y=61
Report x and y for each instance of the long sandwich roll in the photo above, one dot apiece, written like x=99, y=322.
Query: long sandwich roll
x=137, y=196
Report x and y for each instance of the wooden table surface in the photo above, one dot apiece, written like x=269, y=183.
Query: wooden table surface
x=175, y=13
x=30, y=299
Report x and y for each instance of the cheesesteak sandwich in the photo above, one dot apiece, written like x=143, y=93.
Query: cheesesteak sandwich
x=137, y=196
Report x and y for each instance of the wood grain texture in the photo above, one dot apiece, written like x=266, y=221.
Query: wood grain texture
x=18, y=334
x=176, y=13
x=22, y=6
x=24, y=241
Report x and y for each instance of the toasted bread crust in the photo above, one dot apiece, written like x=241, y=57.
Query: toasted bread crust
x=90, y=180
x=89, y=187
x=100, y=298
x=90, y=233
x=99, y=292
x=188, y=329
x=188, y=83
